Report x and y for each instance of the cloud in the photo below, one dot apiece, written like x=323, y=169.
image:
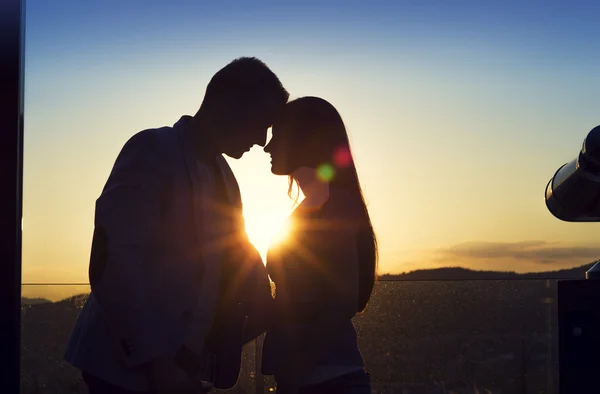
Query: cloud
x=540, y=252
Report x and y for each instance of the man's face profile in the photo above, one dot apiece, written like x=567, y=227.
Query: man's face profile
x=246, y=122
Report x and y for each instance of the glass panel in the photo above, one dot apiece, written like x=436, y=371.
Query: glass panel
x=416, y=337
x=461, y=337
x=48, y=315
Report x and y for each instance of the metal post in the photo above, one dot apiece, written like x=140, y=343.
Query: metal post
x=259, y=379
x=578, y=334
x=11, y=180
x=549, y=301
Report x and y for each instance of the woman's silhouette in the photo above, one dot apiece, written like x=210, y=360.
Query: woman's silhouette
x=325, y=269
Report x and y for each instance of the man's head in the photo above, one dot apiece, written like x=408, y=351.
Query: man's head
x=240, y=103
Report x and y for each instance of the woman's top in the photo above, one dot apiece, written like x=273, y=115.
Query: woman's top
x=315, y=271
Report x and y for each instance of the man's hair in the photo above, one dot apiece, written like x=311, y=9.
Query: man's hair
x=245, y=77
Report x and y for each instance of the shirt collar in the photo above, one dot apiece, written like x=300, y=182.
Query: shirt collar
x=204, y=147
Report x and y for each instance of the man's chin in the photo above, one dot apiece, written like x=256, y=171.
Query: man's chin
x=277, y=171
x=235, y=155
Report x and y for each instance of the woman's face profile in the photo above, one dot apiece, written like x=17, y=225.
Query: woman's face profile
x=281, y=149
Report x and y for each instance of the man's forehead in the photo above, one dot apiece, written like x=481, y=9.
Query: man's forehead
x=268, y=110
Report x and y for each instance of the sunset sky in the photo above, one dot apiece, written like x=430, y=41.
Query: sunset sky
x=459, y=112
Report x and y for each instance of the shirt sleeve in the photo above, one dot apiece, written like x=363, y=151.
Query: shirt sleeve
x=127, y=219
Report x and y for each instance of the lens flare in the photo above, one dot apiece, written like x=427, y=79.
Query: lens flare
x=342, y=157
x=325, y=172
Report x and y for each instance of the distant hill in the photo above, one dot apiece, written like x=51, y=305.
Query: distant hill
x=569, y=273
x=33, y=301
x=459, y=273
x=440, y=274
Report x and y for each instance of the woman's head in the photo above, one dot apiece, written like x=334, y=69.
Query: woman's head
x=310, y=132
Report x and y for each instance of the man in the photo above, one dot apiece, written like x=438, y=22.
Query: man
x=176, y=286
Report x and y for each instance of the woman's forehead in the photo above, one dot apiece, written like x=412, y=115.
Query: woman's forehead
x=282, y=123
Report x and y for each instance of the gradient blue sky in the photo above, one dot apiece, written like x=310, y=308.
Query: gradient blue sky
x=459, y=113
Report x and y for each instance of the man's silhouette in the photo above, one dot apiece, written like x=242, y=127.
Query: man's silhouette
x=176, y=287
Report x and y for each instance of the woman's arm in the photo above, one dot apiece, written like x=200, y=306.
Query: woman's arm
x=336, y=285
x=328, y=299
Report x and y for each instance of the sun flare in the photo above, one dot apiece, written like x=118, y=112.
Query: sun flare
x=265, y=230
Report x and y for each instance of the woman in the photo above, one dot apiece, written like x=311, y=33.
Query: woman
x=325, y=269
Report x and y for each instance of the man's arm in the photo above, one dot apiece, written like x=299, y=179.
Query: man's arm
x=259, y=302
x=127, y=220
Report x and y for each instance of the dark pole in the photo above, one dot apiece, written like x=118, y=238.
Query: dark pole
x=12, y=23
x=578, y=339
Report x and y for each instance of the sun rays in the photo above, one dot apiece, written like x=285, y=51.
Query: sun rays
x=266, y=227
x=274, y=231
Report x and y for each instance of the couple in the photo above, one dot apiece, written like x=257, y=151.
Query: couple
x=177, y=288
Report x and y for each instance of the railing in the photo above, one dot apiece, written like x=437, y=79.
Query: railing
x=416, y=337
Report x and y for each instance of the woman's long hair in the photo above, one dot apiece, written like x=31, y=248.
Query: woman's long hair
x=321, y=141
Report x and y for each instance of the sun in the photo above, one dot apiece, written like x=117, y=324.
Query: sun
x=265, y=229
